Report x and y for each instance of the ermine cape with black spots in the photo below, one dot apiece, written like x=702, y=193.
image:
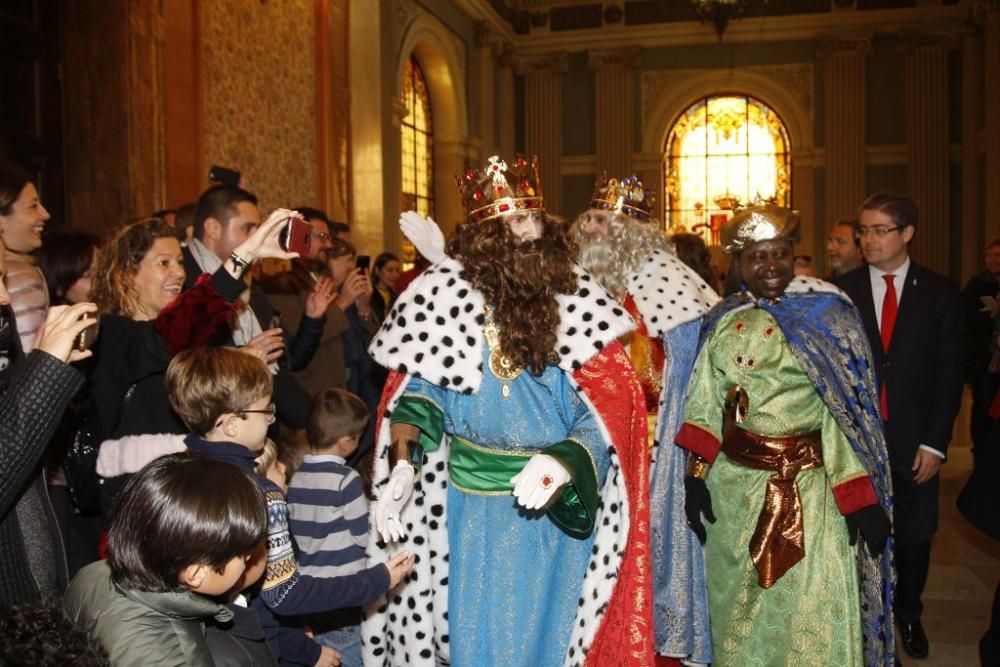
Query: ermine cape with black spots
x=435, y=332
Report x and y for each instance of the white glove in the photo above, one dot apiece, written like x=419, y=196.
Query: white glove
x=388, y=510
x=538, y=481
x=424, y=234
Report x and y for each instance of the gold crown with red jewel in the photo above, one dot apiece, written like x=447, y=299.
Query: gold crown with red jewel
x=626, y=196
x=500, y=188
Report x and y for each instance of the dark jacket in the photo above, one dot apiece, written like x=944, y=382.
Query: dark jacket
x=240, y=641
x=290, y=399
x=978, y=326
x=139, y=628
x=335, y=363
x=38, y=389
x=127, y=388
x=379, y=304
x=923, y=376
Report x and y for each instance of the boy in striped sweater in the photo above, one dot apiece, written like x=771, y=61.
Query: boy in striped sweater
x=328, y=513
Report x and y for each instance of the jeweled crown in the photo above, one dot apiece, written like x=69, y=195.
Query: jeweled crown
x=499, y=188
x=626, y=196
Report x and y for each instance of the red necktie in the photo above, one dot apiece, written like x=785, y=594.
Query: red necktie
x=889, y=308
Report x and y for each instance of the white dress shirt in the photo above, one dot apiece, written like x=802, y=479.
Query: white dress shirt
x=878, y=298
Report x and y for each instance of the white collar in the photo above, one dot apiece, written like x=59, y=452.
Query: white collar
x=323, y=458
x=668, y=293
x=900, y=271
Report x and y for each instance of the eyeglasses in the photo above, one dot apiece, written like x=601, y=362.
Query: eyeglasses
x=270, y=411
x=322, y=236
x=878, y=230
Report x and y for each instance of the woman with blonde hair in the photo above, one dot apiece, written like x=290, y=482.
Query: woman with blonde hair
x=146, y=318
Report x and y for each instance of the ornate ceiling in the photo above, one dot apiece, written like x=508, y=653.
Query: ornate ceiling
x=526, y=16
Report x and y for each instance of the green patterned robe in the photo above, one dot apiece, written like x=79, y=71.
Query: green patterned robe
x=810, y=616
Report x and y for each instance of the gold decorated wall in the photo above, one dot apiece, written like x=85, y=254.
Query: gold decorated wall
x=259, y=91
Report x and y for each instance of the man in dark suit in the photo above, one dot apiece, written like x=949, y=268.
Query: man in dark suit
x=913, y=320
x=225, y=216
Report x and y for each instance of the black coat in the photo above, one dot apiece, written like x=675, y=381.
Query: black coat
x=39, y=389
x=977, y=325
x=923, y=376
x=128, y=388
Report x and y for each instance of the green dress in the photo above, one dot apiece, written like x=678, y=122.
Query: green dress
x=811, y=615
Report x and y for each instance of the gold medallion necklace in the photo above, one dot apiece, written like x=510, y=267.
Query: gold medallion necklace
x=500, y=364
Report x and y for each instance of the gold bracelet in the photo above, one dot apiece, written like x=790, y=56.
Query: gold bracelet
x=698, y=467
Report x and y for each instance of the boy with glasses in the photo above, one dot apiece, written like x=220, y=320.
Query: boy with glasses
x=913, y=320
x=224, y=397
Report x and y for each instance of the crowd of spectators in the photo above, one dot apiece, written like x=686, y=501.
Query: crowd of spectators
x=124, y=356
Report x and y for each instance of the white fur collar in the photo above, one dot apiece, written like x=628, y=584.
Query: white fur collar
x=802, y=284
x=435, y=329
x=668, y=293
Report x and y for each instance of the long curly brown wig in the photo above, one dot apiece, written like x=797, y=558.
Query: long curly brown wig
x=113, y=289
x=520, y=280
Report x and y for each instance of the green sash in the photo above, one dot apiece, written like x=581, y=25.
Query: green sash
x=479, y=470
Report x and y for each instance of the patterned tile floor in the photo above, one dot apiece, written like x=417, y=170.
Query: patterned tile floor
x=965, y=569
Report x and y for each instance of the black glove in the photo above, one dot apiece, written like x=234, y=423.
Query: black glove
x=697, y=501
x=873, y=524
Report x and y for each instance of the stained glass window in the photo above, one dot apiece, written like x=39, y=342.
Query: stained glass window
x=417, y=143
x=720, y=152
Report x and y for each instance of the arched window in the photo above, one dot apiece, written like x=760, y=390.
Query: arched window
x=417, y=143
x=722, y=151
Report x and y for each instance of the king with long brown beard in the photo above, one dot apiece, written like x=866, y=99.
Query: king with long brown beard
x=522, y=287
x=511, y=452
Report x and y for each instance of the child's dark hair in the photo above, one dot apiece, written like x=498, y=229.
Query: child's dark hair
x=181, y=510
x=205, y=383
x=335, y=413
x=40, y=634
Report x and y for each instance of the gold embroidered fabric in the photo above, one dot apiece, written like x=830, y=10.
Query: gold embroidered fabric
x=809, y=616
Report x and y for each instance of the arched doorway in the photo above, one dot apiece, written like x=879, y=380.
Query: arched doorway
x=721, y=151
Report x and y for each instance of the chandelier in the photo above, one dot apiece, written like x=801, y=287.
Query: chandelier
x=719, y=13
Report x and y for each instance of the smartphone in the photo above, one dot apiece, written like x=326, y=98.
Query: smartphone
x=86, y=338
x=296, y=236
x=363, y=262
x=224, y=175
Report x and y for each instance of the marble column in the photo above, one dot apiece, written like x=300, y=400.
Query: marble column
x=489, y=47
x=972, y=100
x=333, y=107
x=451, y=157
x=991, y=115
x=115, y=111
x=843, y=63
x=505, y=102
x=927, y=174
x=811, y=240
x=543, y=120
x=615, y=104
x=374, y=138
